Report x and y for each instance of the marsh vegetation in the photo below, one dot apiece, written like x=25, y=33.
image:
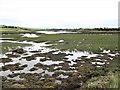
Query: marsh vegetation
x=61, y=60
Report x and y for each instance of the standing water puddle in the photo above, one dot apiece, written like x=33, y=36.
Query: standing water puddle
x=40, y=59
x=29, y=35
x=53, y=32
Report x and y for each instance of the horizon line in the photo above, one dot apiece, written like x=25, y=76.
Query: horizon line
x=105, y=27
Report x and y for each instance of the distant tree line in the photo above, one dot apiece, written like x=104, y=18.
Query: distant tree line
x=106, y=29
x=88, y=29
x=54, y=29
x=4, y=26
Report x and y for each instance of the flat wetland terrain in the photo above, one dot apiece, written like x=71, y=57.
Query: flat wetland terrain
x=59, y=60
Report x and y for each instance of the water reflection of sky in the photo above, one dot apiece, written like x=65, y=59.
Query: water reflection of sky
x=72, y=57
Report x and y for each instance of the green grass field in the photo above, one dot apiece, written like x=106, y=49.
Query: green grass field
x=80, y=42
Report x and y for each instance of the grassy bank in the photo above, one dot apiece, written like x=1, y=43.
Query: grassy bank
x=107, y=77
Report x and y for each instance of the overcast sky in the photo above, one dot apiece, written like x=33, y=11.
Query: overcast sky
x=59, y=13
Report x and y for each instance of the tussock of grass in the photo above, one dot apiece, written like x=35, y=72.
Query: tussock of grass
x=113, y=81
x=107, y=81
x=110, y=79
